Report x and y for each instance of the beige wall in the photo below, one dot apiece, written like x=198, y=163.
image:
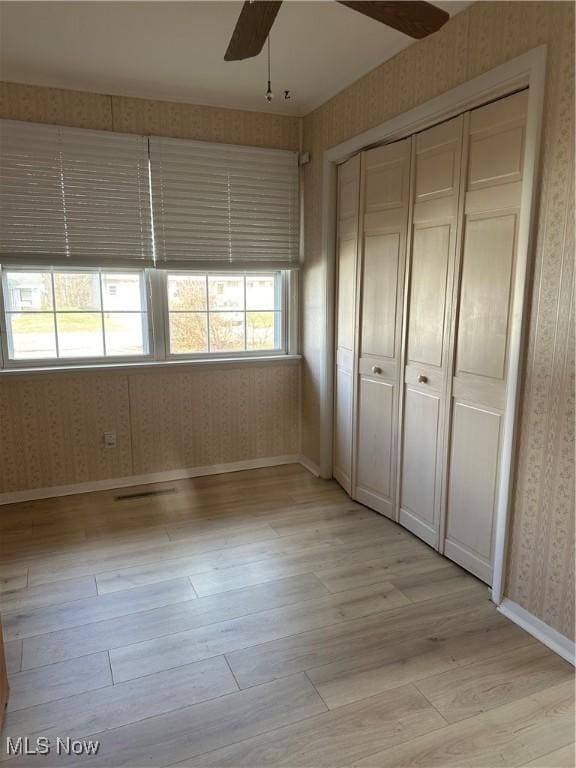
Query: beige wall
x=51, y=425
x=160, y=118
x=541, y=564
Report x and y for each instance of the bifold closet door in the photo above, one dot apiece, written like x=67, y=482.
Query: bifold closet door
x=482, y=329
x=435, y=195
x=385, y=198
x=346, y=258
x=422, y=358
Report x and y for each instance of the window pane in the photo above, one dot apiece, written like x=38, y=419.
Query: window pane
x=188, y=333
x=226, y=331
x=77, y=290
x=80, y=334
x=32, y=335
x=124, y=333
x=122, y=292
x=187, y=292
x=28, y=291
x=260, y=330
x=260, y=292
x=226, y=291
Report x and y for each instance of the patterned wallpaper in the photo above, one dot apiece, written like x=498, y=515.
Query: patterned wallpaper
x=52, y=429
x=51, y=425
x=161, y=118
x=207, y=416
x=541, y=561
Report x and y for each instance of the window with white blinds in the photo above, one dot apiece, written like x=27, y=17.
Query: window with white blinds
x=73, y=196
x=108, y=240
x=216, y=205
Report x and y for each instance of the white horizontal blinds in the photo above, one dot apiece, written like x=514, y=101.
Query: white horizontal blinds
x=31, y=203
x=107, y=197
x=217, y=205
x=74, y=196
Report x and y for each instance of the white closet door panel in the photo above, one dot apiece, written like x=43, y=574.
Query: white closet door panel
x=499, y=114
x=430, y=256
x=387, y=370
x=346, y=293
x=419, y=467
x=386, y=177
x=497, y=142
x=472, y=488
x=484, y=392
x=485, y=200
x=435, y=174
x=379, y=289
x=375, y=442
x=485, y=295
x=349, y=181
x=496, y=157
x=384, y=185
x=438, y=161
x=346, y=262
x=482, y=329
x=434, y=378
x=343, y=434
x=386, y=181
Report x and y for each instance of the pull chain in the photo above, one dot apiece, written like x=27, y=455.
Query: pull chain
x=269, y=94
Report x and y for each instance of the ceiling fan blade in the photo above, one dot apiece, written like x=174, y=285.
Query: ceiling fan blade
x=417, y=19
x=252, y=29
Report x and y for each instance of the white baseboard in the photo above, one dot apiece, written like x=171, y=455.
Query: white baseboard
x=154, y=477
x=561, y=645
x=309, y=465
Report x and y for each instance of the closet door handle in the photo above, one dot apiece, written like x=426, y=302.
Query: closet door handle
x=422, y=379
x=376, y=369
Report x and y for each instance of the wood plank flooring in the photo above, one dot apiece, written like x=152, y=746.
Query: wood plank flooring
x=262, y=619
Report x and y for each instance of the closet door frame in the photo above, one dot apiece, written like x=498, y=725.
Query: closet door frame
x=527, y=70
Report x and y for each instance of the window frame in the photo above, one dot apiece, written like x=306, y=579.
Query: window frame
x=9, y=363
x=284, y=349
x=155, y=295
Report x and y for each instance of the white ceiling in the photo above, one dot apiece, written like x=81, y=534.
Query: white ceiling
x=175, y=50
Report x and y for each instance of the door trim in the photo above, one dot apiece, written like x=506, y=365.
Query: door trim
x=527, y=70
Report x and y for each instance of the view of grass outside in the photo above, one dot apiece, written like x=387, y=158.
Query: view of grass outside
x=92, y=313
x=74, y=314
x=223, y=313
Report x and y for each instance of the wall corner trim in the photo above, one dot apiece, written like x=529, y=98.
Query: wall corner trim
x=309, y=465
x=546, y=634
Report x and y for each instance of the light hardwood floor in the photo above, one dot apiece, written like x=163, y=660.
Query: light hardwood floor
x=263, y=619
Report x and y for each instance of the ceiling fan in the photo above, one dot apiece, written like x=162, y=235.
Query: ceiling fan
x=416, y=19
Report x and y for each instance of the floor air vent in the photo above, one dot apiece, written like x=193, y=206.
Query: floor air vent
x=144, y=494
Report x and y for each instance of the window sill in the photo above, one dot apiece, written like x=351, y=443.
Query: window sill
x=153, y=365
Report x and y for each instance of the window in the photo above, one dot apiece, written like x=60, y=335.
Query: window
x=120, y=248
x=225, y=313
x=75, y=314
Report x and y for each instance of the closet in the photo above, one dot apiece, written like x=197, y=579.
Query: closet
x=426, y=247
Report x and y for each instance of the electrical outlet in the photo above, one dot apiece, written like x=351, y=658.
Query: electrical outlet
x=110, y=439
